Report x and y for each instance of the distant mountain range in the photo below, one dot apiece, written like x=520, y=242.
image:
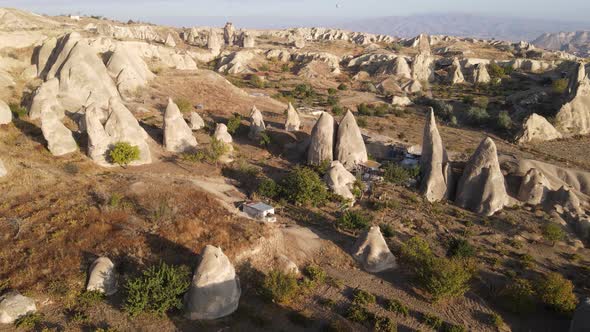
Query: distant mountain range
x=463, y=25
x=573, y=42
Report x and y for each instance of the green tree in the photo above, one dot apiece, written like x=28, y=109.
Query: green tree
x=303, y=186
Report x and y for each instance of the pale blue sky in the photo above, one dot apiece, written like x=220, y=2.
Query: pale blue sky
x=565, y=10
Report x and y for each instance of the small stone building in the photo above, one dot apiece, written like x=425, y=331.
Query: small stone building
x=260, y=211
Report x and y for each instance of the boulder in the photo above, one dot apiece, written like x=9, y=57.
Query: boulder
x=455, y=73
x=215, y=288
x=581, y=320
x=256, y=123
x=99, y=142
x=44, y=55
x=178, y=136
x=534, y=187
x=574, y=117
x=422, y=42
x=5, y=113
x=129, y=70
x=563, y=198
x=401, y=68
x=170, y=41
x=423, y=67
x=340, y=180
x=13, y=306
x=480, y=74
x=401, y=101
x=293, y=122
x=434, y=167
x=59, y=138
x=372, y=252
x=229, y=33
x=481, y=188
x=412, y=86
x=221, y=134
x=196, y=121
x=321, y=147
x=3, y=171
x=537, y=129
x=45, y=98
x=248, y=40
x=214, y=43
x=350, y=146
x=122, y=126
x=102, y=277
x=286, y=266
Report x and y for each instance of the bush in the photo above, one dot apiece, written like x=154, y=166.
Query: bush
x=560, y=86
x=361, y=122
x=397, y=307
x=315, y=274
x=332, y=91
x=158, y=290
x=342, y=87
x=386, y=230
x=553, y=232
x=359, y=314
x=469, y=100
x=399, y=175
x=477, y=116
x=285, y=68
x=268, y=188
x=333, y=100
x=362, y=297
x=384, y=324
x=353, y=221
x=447, y=327
x=337, y=110
x=415, y=249
x=211, y=154
x=29, y=321
x=124, y=153
x=503, y=121
x=433, y=321
x=256, y=81
x=184, y=105
x=304, y=91
x=557, y=292
x=517, y=296
x=303, y=186
x=234, y=123
x=461, y=248
x=18, y=111
x=279, y=287
x=495, y=70
x=264, y=138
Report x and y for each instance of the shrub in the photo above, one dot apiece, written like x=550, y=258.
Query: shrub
x=353, y=221
x=361, y=122
x=256, y=81
x=303, y=186
x=557, y=292
x=332, y=91
x=157, y=290
x=279, y=287
x=503, y=121
x=264, y=67
x=315, y=273
x=387, y=230
x=304, y=91
x=211, y=154
x=363, y=109
x=90, y=298
x=469, y=100
x=384, y=324
x=397, y=307
x=433, y=321
x=337, y=110
x=399, y=175
x=342, y=87
x=184, y=105
x=362, y=297
x=124, y=153
x=415, y=249
x=18, y=111
x=285, y=68
x=553, y=232
x=461, y=248
x=268, y=188
x=447, y=327
x=234, y=123
x=29, y=321
x=517, y=296
x=560, y=86
x=359, y=314
x=264, y=138
x=495, y=70
x=333, y=100
x=477, y=116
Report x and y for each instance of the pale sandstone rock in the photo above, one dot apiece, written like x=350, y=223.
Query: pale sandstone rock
x=433, y=163
x=537, y=129
x=412, y=86
x=372, y=252
x=455, y=74
x=13, y=306
x=129, y=70
x=256, y=123
x=286, y=266
x=340, y=180
x=3, y=170
x=196, y=121
x=178, y=136
x=215, y=288
x=214, y=42
x=401, y=68
x=229, y=33
x=293, y=123
x=99, y=142
x=321, y=147
x=574, y=117
x=534, y=187
x=5, y=113
x=45, y=98
x=44, y=55
x=170, y=41
x=401, y=101
x=480, y=74
x=423, y=67
x=122, y=126
x=350, y=146
x=481, y=188
x=59, y=138
x=102, y=277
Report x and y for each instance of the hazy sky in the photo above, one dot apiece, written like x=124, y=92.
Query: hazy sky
x=564, y=10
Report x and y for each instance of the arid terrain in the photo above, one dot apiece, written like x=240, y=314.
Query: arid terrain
x=433, y=183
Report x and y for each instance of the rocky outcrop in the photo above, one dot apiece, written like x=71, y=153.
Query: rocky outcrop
x=563, y=198
x=350, y=146
x=44, y=55
x=286, y=266
x=13, y=306
x=178, y=136
x=293, y=123
x=401, y=101
x=574, y=117
x=101, y=277
x=537, y=129
x=45, y=99
x=434, y=163
x=170, y=41
x=214, y=42
x=423, y=67
x=5, y=113
x=248, y=40
x=581, y=320
x=481, y=188
x=99, y=142
x=480, y=74
x=534, y=187
x=256, y=123
x=340, y=180
x=59, y=138
x=129, y=70
x=215, y=288
x=400, y=68
x=236, y=62
x=372, y=252
x=229, y=33
x=122, y=126
x=196, y=121
x=412, y=86
x=455, y=73
x=321, y=147
x=3, y=170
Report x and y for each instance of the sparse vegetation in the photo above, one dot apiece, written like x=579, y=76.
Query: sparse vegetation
x=29, y=321
x=279, y=287
x=461, y=248
x=433, y=321
x=234, y=123
x=362, y=298
x=18, y=111
x=518, y=296
x=158, y=290
x=477, y=116
x=397, y=307
x=342, y=87
x=124, y=153
x=560, y=86
x=399, y=175
x=184, y=105
x=353, y=220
